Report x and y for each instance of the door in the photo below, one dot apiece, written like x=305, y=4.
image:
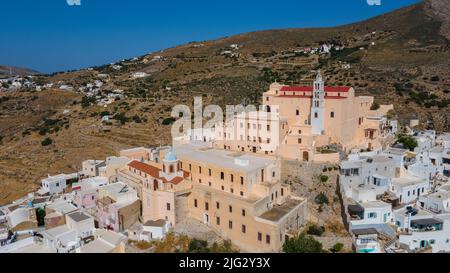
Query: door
x=305, y=156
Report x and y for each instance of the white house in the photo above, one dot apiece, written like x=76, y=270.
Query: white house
x=90, y=168
x=408, y=188
x=430, y=232
x=53, y=184
x=371, y=212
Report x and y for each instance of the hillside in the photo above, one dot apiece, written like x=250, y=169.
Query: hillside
x=5, y=71
x=402, y=57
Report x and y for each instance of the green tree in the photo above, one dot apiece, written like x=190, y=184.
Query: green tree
x=302, y=244
x=408, y=142
x=40, y=215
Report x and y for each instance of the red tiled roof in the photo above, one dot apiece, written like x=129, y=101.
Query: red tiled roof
x=145, y=168
x=310, y=97
x=310, y=88
x=154, y=172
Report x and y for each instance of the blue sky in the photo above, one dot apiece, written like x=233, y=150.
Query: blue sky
x=50, y=35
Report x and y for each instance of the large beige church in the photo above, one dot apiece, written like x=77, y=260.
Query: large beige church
x=307, y=120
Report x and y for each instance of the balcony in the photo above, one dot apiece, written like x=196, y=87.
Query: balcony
x=426, y=225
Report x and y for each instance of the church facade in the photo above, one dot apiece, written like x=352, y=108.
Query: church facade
x=308, y=120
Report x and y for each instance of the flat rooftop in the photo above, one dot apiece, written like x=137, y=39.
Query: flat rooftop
x=278, y=212
x=407, y=181
x=375, y=204
x=228, y=160
x=118, y=189
x=63, y=207
x=396, y=151
x=157, y=223
x=78, y=216
x=97, y=246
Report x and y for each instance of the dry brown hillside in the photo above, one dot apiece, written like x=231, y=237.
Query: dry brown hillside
x=405, y=60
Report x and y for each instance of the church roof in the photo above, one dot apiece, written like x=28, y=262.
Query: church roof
x=310, y=88
x=170, y=156
x=154, y=172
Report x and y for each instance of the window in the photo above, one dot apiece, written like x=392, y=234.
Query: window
x=297, y=112
x=210, y=184
x=222, y=175
x=242, y=193
x=223, y=188
x=168, y=206
x=259, y=236
x=199, y=170
x=57, y=184
x=230, y=209
x=218, y=221
x=209, y=172
x=268, y=127
x=316, y=115
x=217, y=205
x=299, y=141
x=206, y=206
x=242, y=180
x=190, y=167
x=232, y=178
x=332, y=114
x=231, y=190
x=195, y=203
x=268, y=239
x=244, y=229
x=372, y=215
x=230, y=224
x=243, y=212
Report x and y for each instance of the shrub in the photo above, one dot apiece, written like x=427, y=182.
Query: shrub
x=137, y=119
x=104, y=114
x=168, y=121
x=302, y=244
x=46, y=142
x=198, y=246
x=315, y=230
x=323, y=178
x=321, y=199
x=337, y=247
x=375, y=106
